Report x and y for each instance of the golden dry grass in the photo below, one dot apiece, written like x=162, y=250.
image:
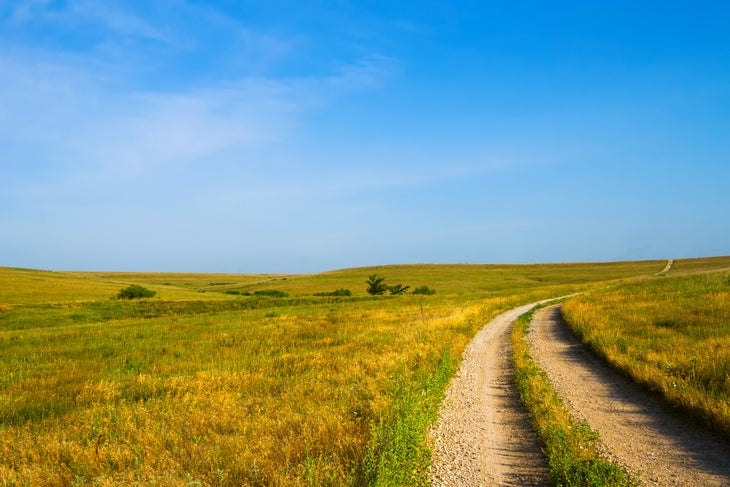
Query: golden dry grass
x=193, y=388
x=671, y=334
x=266, y=398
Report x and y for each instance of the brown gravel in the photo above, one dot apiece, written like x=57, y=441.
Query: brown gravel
x=636, y=428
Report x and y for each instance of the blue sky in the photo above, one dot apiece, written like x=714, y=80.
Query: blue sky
x=280, y=136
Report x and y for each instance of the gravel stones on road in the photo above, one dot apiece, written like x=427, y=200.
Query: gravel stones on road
x=483, y=436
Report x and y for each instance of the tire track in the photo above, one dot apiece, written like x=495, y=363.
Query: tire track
x=483, y=436
x=635, y=427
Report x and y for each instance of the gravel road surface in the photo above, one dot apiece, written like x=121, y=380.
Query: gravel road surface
x=636, y=428
x=483, y=436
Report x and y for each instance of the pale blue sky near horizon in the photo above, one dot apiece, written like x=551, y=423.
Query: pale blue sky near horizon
x=290, y=137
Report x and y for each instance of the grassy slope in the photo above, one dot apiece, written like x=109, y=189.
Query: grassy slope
x=27, y=286
x=223, y=390
x=709, y=264
x=671, y=334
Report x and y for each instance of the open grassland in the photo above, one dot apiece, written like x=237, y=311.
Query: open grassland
x=34, y=287
x=694, y=266
x=671, y=334
x=200, y=387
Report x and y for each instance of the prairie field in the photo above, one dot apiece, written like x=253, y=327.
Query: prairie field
x=208, y=383
x=671, y=334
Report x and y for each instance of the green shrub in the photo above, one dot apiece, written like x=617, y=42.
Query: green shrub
x=424, y=290
x=135, y=291
x=398, y=289
x=377, y=286
x=338, y=292
x=274, y=293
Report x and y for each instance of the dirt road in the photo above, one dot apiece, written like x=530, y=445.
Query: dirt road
x=666, y=269
x=635, y=427
x=483, y=436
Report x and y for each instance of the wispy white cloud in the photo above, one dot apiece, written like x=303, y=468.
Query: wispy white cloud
x=70, y=110
x=76, y=121
x=365, y=74
x=25, y=10
x=88, y=147
x=249, y=49
x=109, y=17
x=114, y=19
x=151, y=40
x=172, y=129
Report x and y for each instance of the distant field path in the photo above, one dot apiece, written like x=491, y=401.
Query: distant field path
x=483, y=435
x=666, y=269
x=635, y=427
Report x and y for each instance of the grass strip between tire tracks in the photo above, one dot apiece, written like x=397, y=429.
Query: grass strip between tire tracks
x=569, y=446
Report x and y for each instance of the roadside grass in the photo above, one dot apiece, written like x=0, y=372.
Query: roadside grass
x=670, y=334
x=398, y=438
x=300, y=395
x=282, y=396
x=192, y=388
x=569, y=446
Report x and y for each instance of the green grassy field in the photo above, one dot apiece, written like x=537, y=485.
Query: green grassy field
x=671, y=334
x=199, y=387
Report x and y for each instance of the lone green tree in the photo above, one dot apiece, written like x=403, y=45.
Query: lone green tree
x=376, y=286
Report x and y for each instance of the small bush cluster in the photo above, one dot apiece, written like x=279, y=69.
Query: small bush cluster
x=424, y=290
x=377, y=287
x=274, y=293
x=135, y=291
x=237, y=292
x=338, y=292
x=398, y=289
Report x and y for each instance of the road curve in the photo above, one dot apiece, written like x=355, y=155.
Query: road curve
x=636, y=428
x=666, y=269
